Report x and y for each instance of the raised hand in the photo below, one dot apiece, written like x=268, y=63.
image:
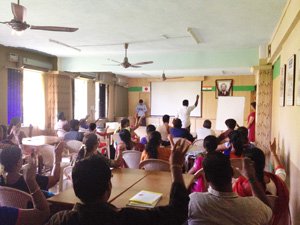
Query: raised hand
x=29, y=171
x=178, y=152
x=273, y=147
x=248, y=170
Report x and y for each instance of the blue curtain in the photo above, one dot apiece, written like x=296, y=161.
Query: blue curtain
x=14, y=94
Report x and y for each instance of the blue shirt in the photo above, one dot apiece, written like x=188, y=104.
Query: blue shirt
x=8, y=215
x=181, y=133
x=73, y=135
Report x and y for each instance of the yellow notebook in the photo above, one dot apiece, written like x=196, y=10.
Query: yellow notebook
x=147, y=199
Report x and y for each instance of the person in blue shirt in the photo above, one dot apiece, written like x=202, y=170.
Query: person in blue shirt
x=178, y=132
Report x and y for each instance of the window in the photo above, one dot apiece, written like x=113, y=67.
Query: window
x=33, y=98
x=80, y=98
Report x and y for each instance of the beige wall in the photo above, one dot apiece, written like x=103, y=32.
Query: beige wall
x=286, y=120
x=4, y=63
x=209, y=102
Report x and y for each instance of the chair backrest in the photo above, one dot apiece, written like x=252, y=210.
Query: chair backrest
x=73, y=146
x=14, y=198
x=198, y=142
x=154, y=164
x=47, y=153
x=132, y=158
x=116, y=138
x=175, y=139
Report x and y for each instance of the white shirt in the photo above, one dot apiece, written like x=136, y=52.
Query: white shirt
x=204, y=132
x=184, y=115
x=162, y=129
x=141, y=109
x=59, y=128
x=226, y=208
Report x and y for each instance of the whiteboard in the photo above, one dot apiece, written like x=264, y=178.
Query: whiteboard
x=230, y=108
x=167, y=97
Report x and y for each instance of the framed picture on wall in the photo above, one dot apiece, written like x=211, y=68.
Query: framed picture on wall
x=224, y=87
x=290, y=81
x=298, y=79
x=282, y=85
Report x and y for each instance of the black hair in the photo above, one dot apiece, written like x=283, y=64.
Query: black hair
x=4, y=132
x=150, y=128
x=124, y=123
x=177, y=123
x=185, y=102
x=125, y=136
x=217, y=169
x=230, y=123
x=74, y=125
x=207, y=124
x=141, y=101
x=258, y=156
x=92, y=126
x=9, y=157
x=244, y=133
x=210, y=143
x=253, y=104
x=152, y=145
x=60, y=116
x=91, y=178
x=236, y=139
x=166, y=118
x=90, y=141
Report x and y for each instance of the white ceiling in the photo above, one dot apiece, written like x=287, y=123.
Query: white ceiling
x=105, y=24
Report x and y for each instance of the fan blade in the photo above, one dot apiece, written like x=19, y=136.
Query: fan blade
x=134, y=66
x=142, y=63
x=170, y=78
x=53, y=28
x=110, y=64
x=19, y=12
x=114, y=61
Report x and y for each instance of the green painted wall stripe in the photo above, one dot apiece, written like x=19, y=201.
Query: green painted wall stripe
x=235, y=88
x=135, y=89
x=276, y=68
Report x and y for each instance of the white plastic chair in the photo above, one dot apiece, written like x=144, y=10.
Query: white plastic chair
x=12, y=197
x=154, y=165
x=73, y=146
x=132, y=158
x=198, y=142
x=65, y=179
x=46, y=152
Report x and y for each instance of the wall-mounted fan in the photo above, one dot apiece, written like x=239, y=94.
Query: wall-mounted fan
x=126, y=62
x=18, y=23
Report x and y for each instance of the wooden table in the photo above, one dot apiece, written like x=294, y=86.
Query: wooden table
x=157, y=181
x=37, y=141
x=122, y=180
x=126, y=183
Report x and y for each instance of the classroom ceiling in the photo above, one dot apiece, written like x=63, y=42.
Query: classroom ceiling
x=155, y=30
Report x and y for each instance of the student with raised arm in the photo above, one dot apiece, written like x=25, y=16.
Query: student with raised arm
x=94, y=189
x=36, y=216
x=185, y=111
x=220, y=205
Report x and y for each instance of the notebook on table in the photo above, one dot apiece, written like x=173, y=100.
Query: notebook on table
x=145, y=199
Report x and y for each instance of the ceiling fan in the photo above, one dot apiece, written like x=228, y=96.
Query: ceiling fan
x=164, y=77
x=18, y=23
x=126, y=62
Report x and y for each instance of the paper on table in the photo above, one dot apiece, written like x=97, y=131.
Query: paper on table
x=145, y=199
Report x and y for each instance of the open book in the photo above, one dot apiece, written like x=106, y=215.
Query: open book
x=146, y=199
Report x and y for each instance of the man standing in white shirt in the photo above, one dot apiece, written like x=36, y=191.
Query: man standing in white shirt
x=184, y=113
x=141, y=110
x=220, y=205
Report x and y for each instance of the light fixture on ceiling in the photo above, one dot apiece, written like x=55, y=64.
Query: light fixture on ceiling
x=193, y=32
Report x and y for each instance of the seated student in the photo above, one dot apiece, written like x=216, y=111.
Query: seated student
x=74, y=133
x=61, y=126
x=220, y=205
x=94, y=189
x=149, y=129
x=14, y=132
x=90, y=148
x=36, y=216
x=127, y=143
x=273, y=183
x=11, y=159
x=153, y=149
x=210, y=144
x=91, y=130
x=83, y=124
x=4, y=143
x=231, y=124
x=205, y=130
x=164, y=130
x=178, y=131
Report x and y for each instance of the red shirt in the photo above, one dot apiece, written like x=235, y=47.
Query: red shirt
x=251, y=129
